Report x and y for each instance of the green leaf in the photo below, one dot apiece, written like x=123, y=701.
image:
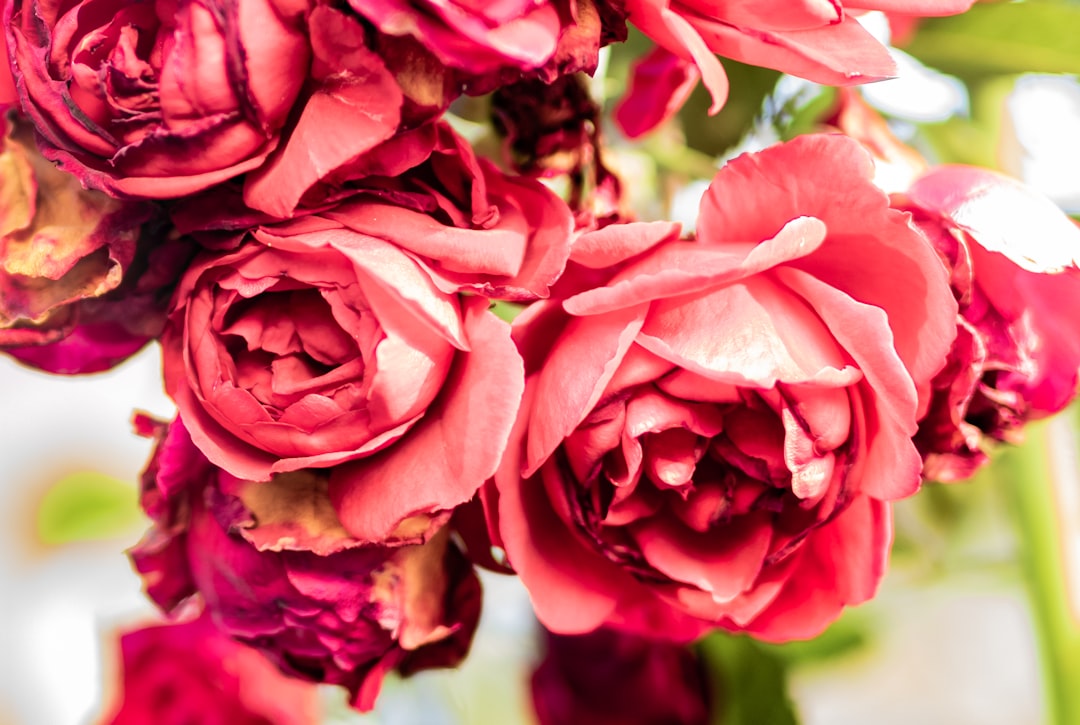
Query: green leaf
x=1002, y=38
x=87, y=506
x=506, y=311
x=749, y=682
x=713, y=135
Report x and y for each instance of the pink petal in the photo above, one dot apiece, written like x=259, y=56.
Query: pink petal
x=455, y=448
x=660, y=82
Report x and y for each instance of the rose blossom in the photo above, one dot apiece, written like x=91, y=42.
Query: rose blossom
x=158, y=100
x=609, y=677
x=277, y=571
x=189, y=672
x=712, y=429
x=1013, y=256
x=84, y=278
x=343, y=335
x=819, y=40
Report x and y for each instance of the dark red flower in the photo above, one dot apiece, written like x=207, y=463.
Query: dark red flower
x=276, y=570
x=189, y=672
x=609, y=677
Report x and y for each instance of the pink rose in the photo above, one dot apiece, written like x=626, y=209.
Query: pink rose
x=84, y=278
x=1013, y=256
x=276, y=570
x=819, y=40
x=344, y=335
x=609, y=677
x=189, y=672
x=712, y=429
x=158, y=100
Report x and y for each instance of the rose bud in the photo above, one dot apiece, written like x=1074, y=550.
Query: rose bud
x=189, y=672
x=84, y=278
x=343, y=335
x=609, y=677
x=1013, y=256
x=712, y=430
x=818, y=40
x=142, y=100
x=277, y=571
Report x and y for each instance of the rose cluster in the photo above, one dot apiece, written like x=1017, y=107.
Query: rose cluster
x=679, y=433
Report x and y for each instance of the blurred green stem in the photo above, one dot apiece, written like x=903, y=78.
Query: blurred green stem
x=1035, y=477
x=748, y=682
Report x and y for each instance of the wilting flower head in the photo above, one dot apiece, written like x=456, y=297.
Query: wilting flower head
x=84, y=278
x=189, y=672
x=158, y=100
x=1013, y=259
x=712, y=429
x=609, y=677
x=552, y=130
x=277, y=571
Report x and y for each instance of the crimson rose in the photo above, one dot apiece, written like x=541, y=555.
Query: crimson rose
x=609, y=677
x=276, y=570
x=158, y=100
x=189, y=672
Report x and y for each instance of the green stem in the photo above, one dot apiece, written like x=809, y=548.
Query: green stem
x=1037, y=478
x=748, y=682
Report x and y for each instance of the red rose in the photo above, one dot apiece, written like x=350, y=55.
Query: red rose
x=1013, y=256
x=818, y=40
x=609, y=677
x=158, y=100
x=712, y=429
x=189, y=672
x=277, y=571
x=342, y=336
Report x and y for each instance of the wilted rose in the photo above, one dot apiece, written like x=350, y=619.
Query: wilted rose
x=552, y=130
x=277, y=571
x=158, y=100
x=712, y=429
x=84, y=278
x=189, y=672
x=343, y=335
x=1013, y=256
